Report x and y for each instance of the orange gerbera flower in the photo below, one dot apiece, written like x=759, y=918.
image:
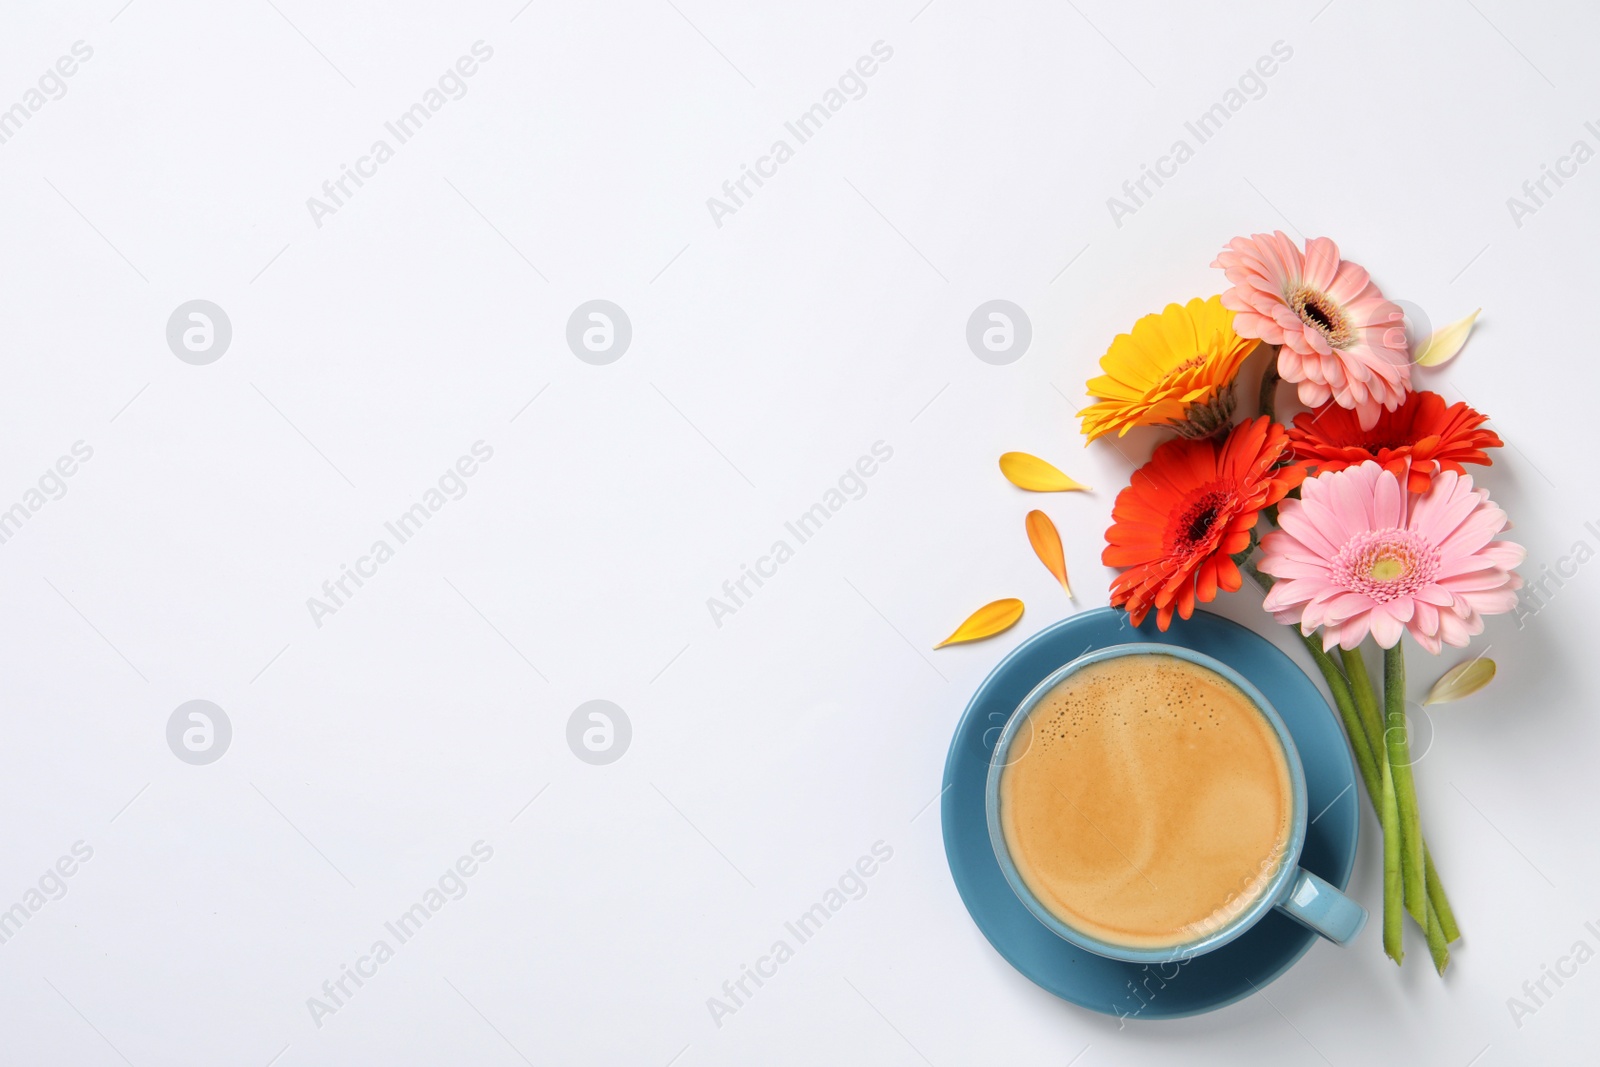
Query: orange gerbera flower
x=1416, y=441
x=1187, y=511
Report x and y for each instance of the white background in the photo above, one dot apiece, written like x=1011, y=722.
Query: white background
x=826, y=314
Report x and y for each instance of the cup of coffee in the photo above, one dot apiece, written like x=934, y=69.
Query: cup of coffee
x=1146, y=803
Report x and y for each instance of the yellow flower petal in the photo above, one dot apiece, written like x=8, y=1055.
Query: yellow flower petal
x=1462, y=680
x=1046, y=542
x=1034, y=474
x=987, y=621
x=1185, y=354
x=1442, y=347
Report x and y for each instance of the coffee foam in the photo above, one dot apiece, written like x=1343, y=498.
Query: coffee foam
x=1147, y=801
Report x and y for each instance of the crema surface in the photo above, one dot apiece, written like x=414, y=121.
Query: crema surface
x=1147, y=802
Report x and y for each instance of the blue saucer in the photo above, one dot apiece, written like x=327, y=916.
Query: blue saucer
x=1131, y=990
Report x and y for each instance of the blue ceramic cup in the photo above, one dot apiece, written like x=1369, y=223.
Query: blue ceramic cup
x=1296, y=892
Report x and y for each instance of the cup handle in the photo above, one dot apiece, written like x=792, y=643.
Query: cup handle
x=1314, y=903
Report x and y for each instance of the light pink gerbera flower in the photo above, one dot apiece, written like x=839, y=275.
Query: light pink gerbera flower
x=1359, y=554
x=1340, y=338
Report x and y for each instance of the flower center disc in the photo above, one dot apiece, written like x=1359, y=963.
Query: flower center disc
x=1321, y=313
x=1386, y=569
x=1195, y=526
x=1194, y=361
x=1386, y=564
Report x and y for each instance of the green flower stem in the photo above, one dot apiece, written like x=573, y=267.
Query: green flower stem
x=1357, y=705
x=1366, y=696
x=1360, y=743
x=1405, y=790
x=1364, y=728
x=1367, y=705
x=1438, y=903
x=1438, y=945
x=1440, y=920
x=1268, y=396
x=1362, y=740
x=1393, y=912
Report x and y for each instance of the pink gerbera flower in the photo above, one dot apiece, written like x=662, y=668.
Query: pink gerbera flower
x=1359, y=554
x=1340, y=338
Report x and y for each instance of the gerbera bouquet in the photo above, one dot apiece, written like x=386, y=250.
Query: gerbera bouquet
x=1358, y=517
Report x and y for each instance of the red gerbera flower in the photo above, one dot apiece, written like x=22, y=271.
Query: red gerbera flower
x=1187, y=511
x=1416, y=441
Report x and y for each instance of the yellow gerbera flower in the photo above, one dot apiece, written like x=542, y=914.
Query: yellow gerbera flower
x=1176, y=367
